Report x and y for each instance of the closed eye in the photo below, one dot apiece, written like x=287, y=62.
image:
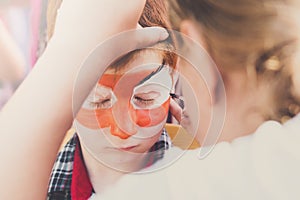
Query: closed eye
x=101, y=104
x=142, y=102
x=101, y=98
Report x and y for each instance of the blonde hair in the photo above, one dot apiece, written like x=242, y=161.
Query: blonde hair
x=260, y=36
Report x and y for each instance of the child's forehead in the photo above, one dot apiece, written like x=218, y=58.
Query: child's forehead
x=111, y=77
x=142, y=64
x=132, y=69
x=140, y=58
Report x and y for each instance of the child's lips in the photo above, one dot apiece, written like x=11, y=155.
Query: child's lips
x=128, y=148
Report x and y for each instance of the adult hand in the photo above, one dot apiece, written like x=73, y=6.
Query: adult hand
x=44, y=99
x=92, y=20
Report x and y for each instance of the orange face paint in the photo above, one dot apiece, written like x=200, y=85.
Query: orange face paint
x=150, y=117
x=109, y=80
x=121, y=113
x=105, y=119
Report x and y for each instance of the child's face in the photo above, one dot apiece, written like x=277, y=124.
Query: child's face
x=122, y=117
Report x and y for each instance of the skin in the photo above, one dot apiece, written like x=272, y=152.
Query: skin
x=39, y=136
x=242, y=116
x=42, y=132
x=114, y=154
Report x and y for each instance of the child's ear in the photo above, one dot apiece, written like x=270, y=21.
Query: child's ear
x=193, y=30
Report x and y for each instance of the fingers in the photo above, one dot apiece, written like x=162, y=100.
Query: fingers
x=127, y=41
x=106, y=52
x=87, y=18
x=150, y=36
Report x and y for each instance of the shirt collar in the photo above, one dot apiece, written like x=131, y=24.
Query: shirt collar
x=81, y=187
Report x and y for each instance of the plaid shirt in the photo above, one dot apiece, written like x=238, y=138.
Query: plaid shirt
x=61, y=176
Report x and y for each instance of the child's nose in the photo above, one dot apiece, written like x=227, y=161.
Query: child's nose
x=116, y=131
x=123, y=125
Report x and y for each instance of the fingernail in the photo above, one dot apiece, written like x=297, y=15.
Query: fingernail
x=164, y=34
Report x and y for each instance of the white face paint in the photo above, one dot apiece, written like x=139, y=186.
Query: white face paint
x=156, y=89
x=124, y=115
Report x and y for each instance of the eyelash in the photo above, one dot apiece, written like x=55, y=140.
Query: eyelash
x=102, y=104
x=106, y=103
x=142, y=102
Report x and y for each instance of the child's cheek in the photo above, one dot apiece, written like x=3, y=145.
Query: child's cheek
x=104, y=117
x=150, y=117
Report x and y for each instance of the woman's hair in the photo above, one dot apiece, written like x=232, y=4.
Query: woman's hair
x=260, y=36
x=154, y=14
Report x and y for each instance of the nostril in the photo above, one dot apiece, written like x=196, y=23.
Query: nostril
x=116, y=131
x=119, y=133
x=123, y=124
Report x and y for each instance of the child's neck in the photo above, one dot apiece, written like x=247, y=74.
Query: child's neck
x=102, y=176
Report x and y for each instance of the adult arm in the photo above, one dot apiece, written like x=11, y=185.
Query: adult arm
x=33, y=123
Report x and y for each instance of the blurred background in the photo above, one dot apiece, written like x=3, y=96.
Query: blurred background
x=22, y=40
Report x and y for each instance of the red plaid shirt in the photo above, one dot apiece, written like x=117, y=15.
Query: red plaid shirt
x=69, y=176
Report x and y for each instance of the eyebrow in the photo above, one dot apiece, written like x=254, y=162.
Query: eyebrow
x=152, y=73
